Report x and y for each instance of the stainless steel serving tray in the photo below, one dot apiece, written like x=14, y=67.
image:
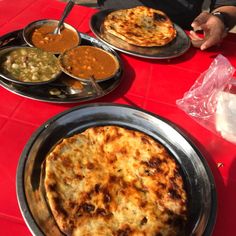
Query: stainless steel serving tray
x=58, y=91
x=175, y=48
x=198, y=179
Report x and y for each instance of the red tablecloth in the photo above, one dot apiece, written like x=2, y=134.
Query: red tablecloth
x=153, y=85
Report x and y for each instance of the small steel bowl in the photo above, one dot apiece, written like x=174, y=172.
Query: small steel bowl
x=93, y=75
x=6, y=74
x=28, y=30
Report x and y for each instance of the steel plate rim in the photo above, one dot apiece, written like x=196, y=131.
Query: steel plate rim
x=178, y=29
x=24, y=208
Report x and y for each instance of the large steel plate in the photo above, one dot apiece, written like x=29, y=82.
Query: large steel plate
x=175, y=48
x=199, y=182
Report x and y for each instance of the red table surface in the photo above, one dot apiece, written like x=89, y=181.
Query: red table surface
x=152, y=85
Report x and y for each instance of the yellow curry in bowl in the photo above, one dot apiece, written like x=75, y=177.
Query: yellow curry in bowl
x=84, y=62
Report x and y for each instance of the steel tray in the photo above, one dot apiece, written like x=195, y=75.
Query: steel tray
x=59, y=91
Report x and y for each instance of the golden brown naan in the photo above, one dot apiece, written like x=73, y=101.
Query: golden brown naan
x=140, y=26
x=114, y=181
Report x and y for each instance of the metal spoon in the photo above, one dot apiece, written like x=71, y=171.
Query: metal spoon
x=96, y=86
x=65, y=13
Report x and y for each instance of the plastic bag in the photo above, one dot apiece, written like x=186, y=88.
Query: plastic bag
x=211, y=101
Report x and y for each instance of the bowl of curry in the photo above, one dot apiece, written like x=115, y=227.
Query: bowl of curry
x=85, y=62
x=39, y=34
x=28, y=65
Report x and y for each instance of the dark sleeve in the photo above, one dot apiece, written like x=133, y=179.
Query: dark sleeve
x=118, y=4
x=219, y=3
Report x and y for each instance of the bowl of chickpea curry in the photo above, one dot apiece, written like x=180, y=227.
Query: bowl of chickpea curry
x=84, y=62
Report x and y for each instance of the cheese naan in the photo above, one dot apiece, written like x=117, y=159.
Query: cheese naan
x=115, y=181
x=140, y=26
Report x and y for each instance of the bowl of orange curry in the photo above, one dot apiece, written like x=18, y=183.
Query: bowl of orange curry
x=85, y=62
x=39, y=34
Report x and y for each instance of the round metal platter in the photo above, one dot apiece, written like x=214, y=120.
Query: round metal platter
x=175, y=48
x=60, y=91
x=199, y=182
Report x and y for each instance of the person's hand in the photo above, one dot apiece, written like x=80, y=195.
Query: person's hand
x=213, y=29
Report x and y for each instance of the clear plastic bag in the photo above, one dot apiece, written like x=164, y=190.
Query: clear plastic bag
x=211, y=101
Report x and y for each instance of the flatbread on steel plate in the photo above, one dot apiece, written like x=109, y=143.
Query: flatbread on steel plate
x=140, y=26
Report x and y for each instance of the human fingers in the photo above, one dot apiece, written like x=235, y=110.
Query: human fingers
x=194, y=36
x=199, y=20
x=213, y=36
x=196, y=40
x=211, y=41
x=214, y=33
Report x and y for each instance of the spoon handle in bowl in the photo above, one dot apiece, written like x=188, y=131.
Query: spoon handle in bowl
x=66, y=11
x=96, y=86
